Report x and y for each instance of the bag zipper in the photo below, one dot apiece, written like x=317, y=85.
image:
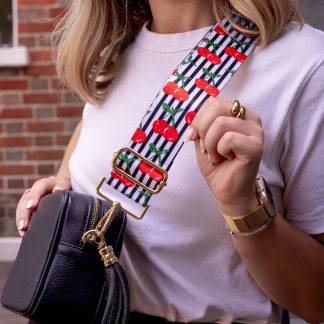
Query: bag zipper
x=95, y=213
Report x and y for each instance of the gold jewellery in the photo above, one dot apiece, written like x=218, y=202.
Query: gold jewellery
x=237, y=110
x=26, y=191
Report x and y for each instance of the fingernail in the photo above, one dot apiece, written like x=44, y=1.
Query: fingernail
x=202, y=146
x=21, y=225
x=189, y=134
x=21, y=233
x=211, y=159
x=57, y=188
x=29, y=203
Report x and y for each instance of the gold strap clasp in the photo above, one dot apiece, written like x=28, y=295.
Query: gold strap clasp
x=160, y=184
x=164, y=173
x=99, y=193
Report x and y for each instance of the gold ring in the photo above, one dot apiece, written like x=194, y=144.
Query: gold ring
x=26, y=191
x=237, y=110
x=241, y=113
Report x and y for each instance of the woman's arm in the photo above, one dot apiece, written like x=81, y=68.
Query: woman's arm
x=41, y=187
x=287, y=264
x=64, y=171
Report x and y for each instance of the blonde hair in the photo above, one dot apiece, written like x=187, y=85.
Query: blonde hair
x=93, y=33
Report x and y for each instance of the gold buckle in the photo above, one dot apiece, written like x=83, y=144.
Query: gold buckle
x=161, y=184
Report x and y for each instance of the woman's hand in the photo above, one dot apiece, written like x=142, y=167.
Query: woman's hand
x=229, y=151
x=31, y=197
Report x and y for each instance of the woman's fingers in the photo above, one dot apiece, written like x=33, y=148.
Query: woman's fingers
x=62, y=184
x=30, y=199
x=248, y=148
x=214, y=120
x=224, y=126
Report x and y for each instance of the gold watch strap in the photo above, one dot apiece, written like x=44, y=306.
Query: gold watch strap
x=248, y=222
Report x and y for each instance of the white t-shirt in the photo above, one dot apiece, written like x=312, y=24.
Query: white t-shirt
x=180, y=260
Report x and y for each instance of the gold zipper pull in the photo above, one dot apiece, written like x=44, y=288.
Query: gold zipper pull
x=106, y=220
x=97, y=236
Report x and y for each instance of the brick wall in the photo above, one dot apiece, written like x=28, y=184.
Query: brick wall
x=36, y=115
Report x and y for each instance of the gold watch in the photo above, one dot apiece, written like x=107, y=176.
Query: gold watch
x=258, y=219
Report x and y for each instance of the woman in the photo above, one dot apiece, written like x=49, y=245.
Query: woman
x=182, y=263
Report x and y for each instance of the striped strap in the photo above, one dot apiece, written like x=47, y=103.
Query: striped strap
x=159, y=137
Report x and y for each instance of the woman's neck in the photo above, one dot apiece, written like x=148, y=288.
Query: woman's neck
x=176, y=16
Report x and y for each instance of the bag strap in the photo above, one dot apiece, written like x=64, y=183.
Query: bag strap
x=140, y=169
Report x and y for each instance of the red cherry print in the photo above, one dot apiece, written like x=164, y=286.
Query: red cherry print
x=139, y=136
x=170, y=87
x=231, y=51
x=212, y=91
x=115, y=174
x=181, y=94
x=219, y=30
x=170, y=134
x=145, y=167
x=190, y=117
x=202, y=51
x=174, y=71
x=159, y=125
x=201, y=83
x=156, y=175
x=213, y=58
x=126, y=182
x=240, y=57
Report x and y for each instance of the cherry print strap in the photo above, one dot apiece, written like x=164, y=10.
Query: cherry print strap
x=140, y=169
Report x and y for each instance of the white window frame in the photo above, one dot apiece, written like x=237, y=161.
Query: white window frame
x=14, y=56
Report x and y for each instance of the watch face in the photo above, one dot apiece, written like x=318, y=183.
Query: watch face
x=266, y=195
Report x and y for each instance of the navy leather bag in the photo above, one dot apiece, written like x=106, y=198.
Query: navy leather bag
x=56, y=277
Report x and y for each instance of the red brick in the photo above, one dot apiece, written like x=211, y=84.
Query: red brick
x=16, y=113
x=12, y=99
x=40, y=70
x=14, y=141
x=43, y=141
x=13, y=84
x=27, y=41
x=40, y=27
x=16, y=169
x=32, y=13
x=45, y=127
x=47, y=169
x=69, y=111
x=31, y=181
x=16, y=183
x=41, y=98
x=57, y=84
x=45, y=155
x=62, y=139
x=38, y=55
x=57, y=12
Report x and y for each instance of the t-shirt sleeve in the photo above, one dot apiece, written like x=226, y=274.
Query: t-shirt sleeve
x=303, y=160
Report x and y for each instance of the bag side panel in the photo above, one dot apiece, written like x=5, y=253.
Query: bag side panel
x=34, y=255
x=72, y=289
